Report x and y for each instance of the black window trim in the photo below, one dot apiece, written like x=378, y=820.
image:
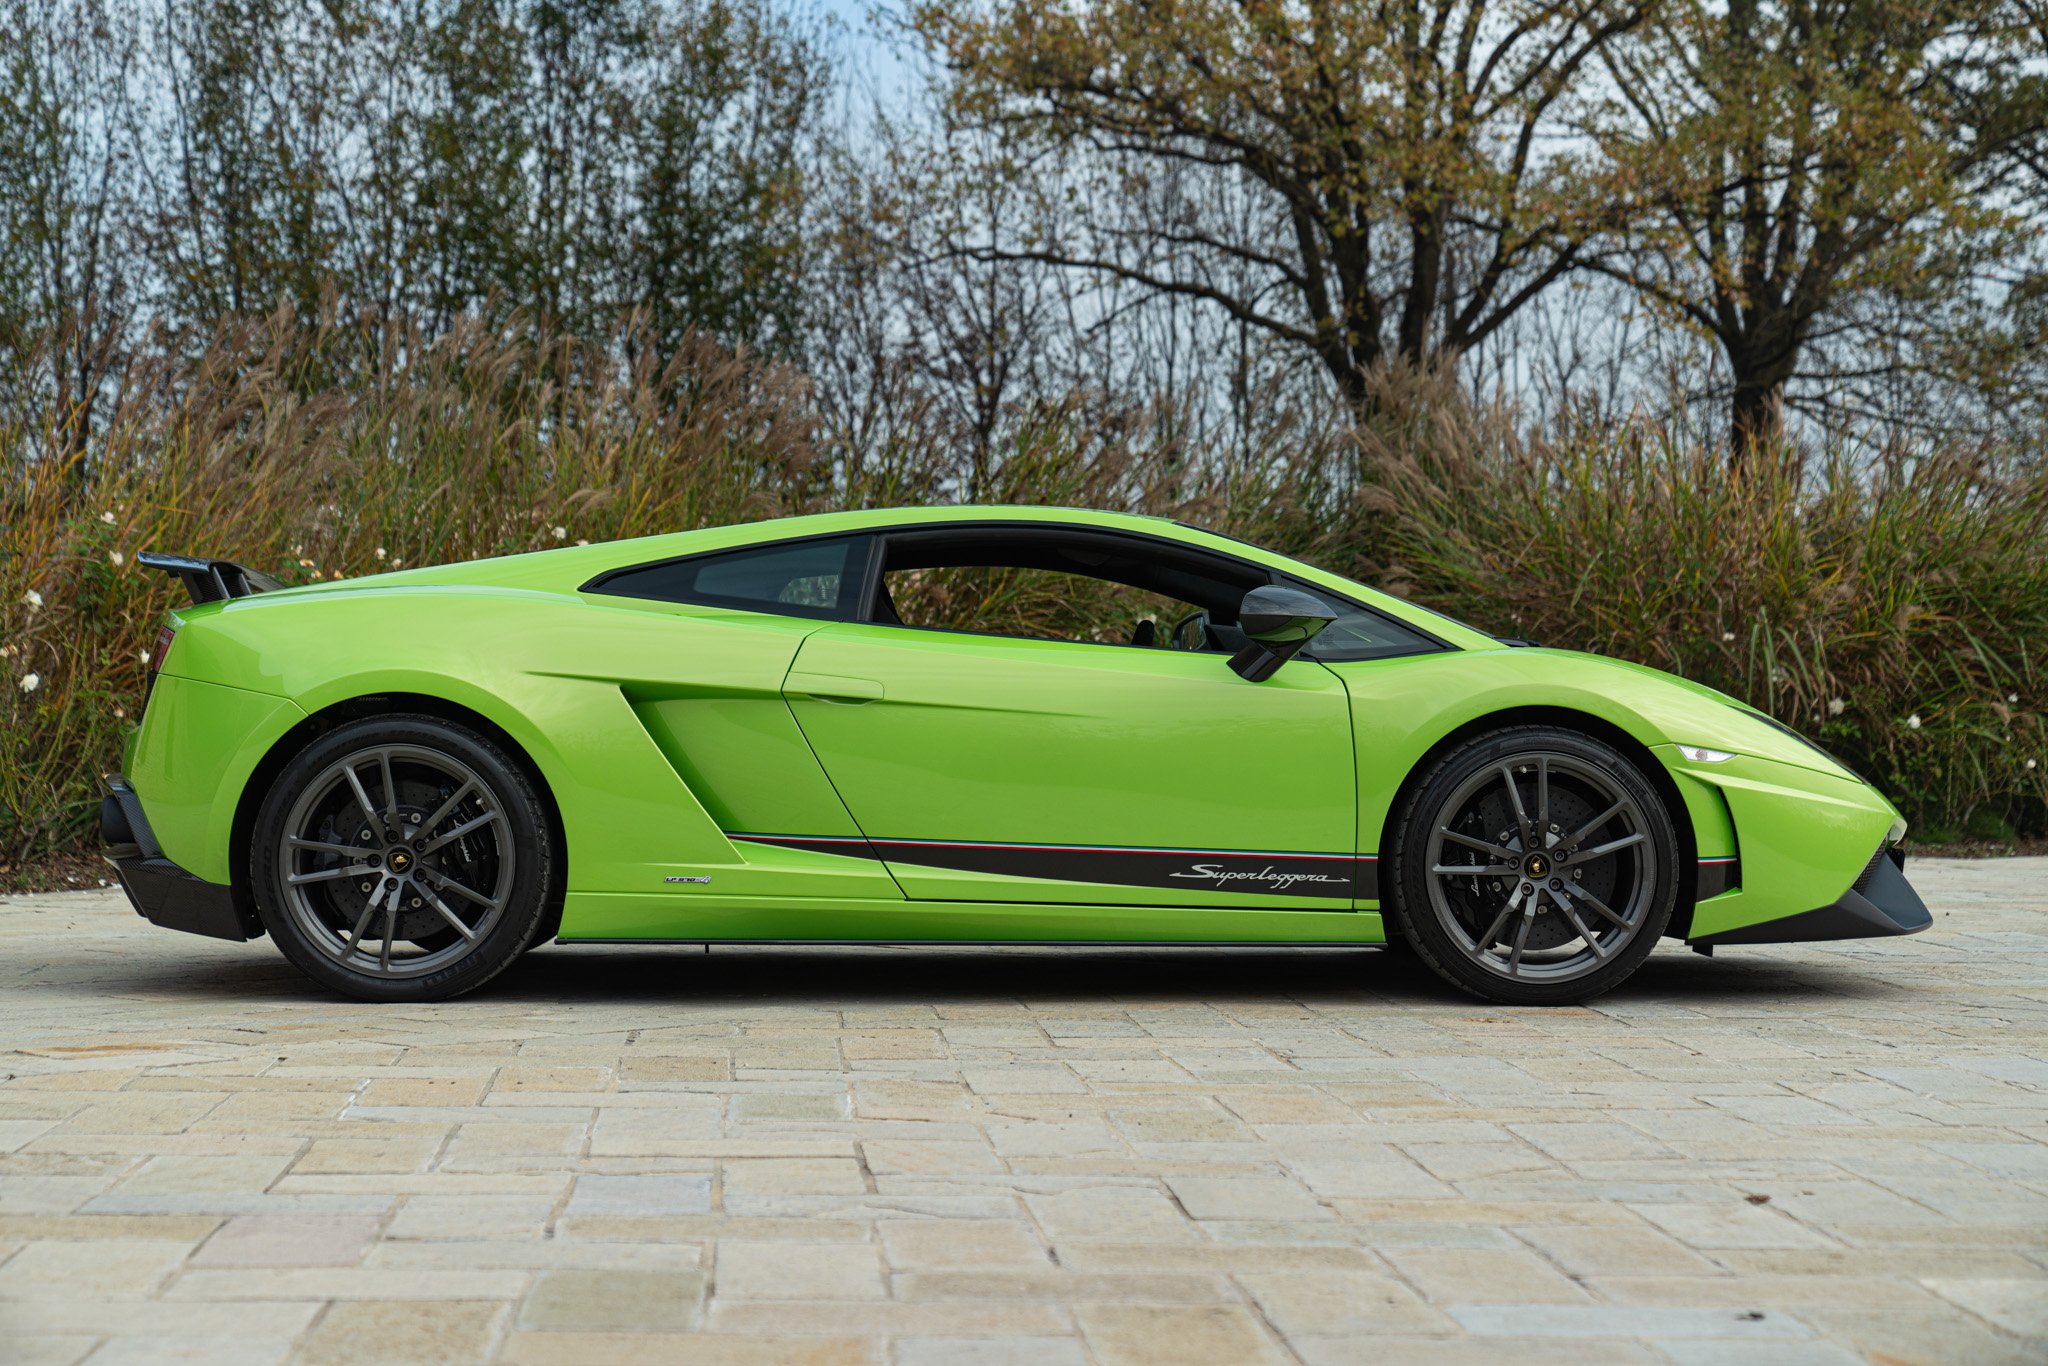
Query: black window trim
x=940, y=530
x=871, y=578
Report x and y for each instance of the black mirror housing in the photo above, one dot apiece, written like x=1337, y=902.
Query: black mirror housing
x=1277, y=623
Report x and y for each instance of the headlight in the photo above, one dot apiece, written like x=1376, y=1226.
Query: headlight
x=1700, y=755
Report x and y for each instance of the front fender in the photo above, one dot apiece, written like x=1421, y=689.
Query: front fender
x=1403, y=708
x=1802, y=814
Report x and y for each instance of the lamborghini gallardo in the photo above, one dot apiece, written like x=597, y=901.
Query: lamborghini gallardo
x=842, y=729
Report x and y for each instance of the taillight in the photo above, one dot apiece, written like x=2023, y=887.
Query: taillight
x=164, y=636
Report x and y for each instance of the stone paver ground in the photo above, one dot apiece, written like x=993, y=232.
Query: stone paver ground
x=1780, y=1157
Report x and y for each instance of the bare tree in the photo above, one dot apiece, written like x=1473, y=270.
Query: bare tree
x=1789, y=162
x=1402, y=152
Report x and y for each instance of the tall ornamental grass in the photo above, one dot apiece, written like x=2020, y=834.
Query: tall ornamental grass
x=1892, y=607
x=320, y=452
x=1896, y=612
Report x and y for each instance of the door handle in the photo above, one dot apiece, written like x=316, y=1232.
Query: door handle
x=833, y=687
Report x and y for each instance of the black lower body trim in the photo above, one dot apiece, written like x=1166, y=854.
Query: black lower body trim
x=165, y=894
x=1716, y=875
x=1374, y=945
x=162, y=892
x=1881, y=903
x=1341, y=876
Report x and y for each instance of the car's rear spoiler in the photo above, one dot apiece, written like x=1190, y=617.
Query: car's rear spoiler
x=210, y=580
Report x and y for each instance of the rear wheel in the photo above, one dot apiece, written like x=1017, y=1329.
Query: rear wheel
x=402, y=858
x=1534, y=866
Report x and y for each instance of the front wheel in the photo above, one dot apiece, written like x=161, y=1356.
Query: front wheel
x=402, y=858
x=1533, y=866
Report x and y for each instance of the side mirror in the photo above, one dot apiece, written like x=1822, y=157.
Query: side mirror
x=1277, y=623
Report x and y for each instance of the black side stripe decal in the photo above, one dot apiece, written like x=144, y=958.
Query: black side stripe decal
x=1199, y=870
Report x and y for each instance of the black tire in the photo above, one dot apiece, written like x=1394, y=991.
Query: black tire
x=1515, y=919
x=473, y=847
x=550, y=925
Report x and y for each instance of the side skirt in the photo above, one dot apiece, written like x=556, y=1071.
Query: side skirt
x=694, y=918
x=996, y=943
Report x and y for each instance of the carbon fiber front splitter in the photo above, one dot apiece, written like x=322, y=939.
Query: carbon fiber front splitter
x=1881, y=903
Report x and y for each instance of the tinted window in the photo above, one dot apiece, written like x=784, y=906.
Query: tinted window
x=1054, y=583
x=796, y=579
x=1042, y=603
x=1359, y=633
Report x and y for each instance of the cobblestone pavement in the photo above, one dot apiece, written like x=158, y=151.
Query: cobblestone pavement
x=1802, y=1155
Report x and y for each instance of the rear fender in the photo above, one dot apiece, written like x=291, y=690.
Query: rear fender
x=191, y=759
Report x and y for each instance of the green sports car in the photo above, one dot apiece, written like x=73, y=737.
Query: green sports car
x=857, y=728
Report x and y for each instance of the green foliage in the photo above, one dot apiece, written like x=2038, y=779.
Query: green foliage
x=1893, y=609
x=195, y=163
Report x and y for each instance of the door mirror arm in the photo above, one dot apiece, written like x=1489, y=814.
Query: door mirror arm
x=1277, y=622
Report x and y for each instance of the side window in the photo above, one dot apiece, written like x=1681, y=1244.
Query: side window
x=1014, y=601
x=1358, y=633
x=794, y=579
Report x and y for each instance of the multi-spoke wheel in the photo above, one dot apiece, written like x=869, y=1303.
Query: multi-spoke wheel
x=402, y=858
x=1533, y=866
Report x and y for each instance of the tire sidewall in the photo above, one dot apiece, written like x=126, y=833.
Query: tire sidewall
x=1414, y=918
x=529, y=834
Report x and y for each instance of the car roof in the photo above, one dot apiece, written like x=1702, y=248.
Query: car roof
x=566, y=569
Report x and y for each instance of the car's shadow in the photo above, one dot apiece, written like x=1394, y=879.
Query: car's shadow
x=837, y=977
x=1067, y=976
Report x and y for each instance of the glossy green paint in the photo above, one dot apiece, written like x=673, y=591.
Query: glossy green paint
x=1804, y=825
x=199, y=744
x=658, y=728
x=1401, y=709
x=995, y=738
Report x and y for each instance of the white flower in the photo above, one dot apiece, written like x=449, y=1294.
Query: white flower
x=116, y=557
x=2013, y=698
x=298, y=550
x=396, y=563
x=583, y=540
x=1836, y=706
x=380, y=552
x=2030, y=763
x=561, y=533
x=107, y=517
x=1727, y=635
x=33, y=599
x=120, y=713
x=145, y=656
x=305, y=564
x=30, y=682
x=1913, y=721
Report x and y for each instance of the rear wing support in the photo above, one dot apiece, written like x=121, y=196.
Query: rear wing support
x=210, y=580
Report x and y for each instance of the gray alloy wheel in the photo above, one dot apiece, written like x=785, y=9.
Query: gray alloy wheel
x=421, y=870
x=402, y=858
x=1536, y=866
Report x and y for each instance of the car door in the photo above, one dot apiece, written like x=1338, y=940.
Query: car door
x=998, y=768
